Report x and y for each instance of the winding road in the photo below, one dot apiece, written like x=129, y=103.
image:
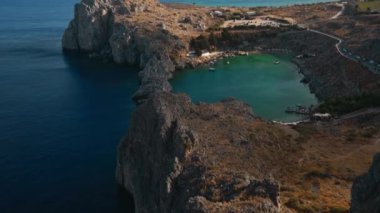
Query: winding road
x=337, y=46
x=371, y=67
x=343, y=5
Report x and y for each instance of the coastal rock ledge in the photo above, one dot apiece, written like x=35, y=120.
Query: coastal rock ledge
x=165, y=163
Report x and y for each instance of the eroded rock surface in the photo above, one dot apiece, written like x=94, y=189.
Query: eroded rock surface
x=162, y=162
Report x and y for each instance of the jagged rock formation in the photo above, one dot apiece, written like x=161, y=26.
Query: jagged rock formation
x=93, y=22
x=161, y=162
x=366, y=190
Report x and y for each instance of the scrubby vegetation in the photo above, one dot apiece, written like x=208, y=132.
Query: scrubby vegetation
x=371, y=5
x=344, y=105
x=220, y=39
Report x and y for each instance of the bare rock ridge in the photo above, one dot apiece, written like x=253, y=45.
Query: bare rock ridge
x=366, y=190
x=160, y=163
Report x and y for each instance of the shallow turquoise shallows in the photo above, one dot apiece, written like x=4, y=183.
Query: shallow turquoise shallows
x=256, y=79
x=246, y=3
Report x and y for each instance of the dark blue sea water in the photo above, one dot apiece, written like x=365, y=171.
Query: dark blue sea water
x=61, y=118
x=250, y=3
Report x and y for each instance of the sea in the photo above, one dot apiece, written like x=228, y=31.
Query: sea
x=62, y=116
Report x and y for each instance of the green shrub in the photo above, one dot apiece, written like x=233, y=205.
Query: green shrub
x=344, y=105
x=369, y=132
x=338, y=209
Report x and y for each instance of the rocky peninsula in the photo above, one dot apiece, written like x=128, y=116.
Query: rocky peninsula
x=184, y=157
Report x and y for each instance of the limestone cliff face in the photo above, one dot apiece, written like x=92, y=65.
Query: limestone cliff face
x=150, y=156
x=366, y=190
x=160, y=163
x=100, y=30
x=96, y=29
x=90, y=28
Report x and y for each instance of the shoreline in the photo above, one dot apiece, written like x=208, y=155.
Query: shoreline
x=221, y=55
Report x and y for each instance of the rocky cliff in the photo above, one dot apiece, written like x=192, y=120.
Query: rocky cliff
x=94, y=22
x=162, y=162
x=366, y=190
x=100, y=30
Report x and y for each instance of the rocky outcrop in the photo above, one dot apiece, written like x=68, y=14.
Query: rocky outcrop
x=154, y=77
x=151, y=154
x=97, y=29
x=91, y=27
x=365, y=195
x=160, y=163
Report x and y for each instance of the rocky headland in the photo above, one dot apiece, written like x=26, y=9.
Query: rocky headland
x=170, y=163
x=184, y=157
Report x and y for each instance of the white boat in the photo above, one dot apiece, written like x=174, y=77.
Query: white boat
x=276, y=62
x=211, y=69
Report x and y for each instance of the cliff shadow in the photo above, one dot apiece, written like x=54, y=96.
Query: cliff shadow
x=96, y=68
x=126, y=201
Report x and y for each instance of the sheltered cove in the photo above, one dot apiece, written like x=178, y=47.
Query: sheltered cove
x=182, y=157
x=270, y=88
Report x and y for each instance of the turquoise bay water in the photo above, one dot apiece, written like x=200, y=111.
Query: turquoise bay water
x=245, y=3
x=268, y=87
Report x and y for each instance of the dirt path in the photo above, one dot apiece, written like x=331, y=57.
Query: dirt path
x=343, y=5
x=361, y=113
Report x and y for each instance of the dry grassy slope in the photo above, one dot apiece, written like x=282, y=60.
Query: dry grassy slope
x=315, y=163
x=174, y=16
x=177, y=20
x=307, y=13
x=331, y=75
